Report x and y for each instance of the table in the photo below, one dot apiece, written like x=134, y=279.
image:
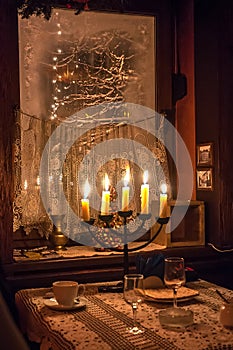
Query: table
x=102, y=324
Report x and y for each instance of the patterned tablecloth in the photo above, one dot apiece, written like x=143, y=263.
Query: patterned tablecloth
x=103, y=323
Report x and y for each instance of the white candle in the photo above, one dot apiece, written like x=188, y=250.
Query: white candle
x=105, y=203
x=85, y=202
x=125, y=191
x=163, y=202
x=145, y=194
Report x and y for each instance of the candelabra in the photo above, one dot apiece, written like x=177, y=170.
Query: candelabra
x=125, y=215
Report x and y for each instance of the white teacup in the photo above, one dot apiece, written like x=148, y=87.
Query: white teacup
x=65, y=292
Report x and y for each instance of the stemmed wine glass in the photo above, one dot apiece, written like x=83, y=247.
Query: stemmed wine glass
x=133, y=295
x=174, y=275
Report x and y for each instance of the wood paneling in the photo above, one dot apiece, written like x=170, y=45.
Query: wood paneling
x=9, y=95
x=214, y=111
x=185, y=108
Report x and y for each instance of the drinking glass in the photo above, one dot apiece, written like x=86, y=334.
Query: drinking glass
x=133, y=295
x=174, y=275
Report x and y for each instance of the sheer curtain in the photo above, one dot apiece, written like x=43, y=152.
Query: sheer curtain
x=80, y=160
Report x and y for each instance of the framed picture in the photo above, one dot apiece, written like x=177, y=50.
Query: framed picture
x=205, y=154
x=205, y=179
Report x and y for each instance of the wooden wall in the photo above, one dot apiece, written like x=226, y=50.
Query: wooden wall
x=9, y=95
x=214, y=111
x=185, y=107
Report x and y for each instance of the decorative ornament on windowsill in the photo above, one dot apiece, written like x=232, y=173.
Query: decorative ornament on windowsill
x=58, y=239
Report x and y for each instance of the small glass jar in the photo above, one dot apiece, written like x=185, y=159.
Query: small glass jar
x=226, y=315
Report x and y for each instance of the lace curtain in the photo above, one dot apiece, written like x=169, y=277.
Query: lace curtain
x=32, y=135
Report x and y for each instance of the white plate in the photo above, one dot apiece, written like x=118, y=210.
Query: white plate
x=53, y=304
x=164, y=301
x=184, y=294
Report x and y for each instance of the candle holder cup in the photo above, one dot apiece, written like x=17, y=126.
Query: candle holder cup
x=125, y=214
x=106, y=218
x=91, y=221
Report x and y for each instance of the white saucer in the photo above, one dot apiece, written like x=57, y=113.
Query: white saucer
x=165, y=295
x=168, y=301
x=53, y=304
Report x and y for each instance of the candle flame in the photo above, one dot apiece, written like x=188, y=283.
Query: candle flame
x=164, y=188
x=145, y=177
x=106, y=182
x=127, y=177
x=87, y=189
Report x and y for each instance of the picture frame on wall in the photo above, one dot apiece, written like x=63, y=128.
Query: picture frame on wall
x=205, y=154
x=205, y=179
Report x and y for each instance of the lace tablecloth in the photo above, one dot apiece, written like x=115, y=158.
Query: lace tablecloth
x=103, y=323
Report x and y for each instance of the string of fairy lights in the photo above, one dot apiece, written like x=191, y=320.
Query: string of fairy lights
x=57, y=63
x=89, y=70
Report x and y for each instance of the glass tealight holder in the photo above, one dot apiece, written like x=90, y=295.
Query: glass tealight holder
x=175, y=318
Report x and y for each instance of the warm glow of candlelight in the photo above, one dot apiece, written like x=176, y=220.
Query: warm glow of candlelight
x=145, y=194
x=105, y=203
x=87, y=189
x=85, y=202
x=164, y=188
x=163, y=201
x=145, y=177
x=106, y=182
x=127, y=177
x=125, y=191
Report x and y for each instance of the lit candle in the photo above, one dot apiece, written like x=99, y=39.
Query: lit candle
x=163, y=202
x=105, y=203
x=85, y=202
x=145, y=194
x=125, y=191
